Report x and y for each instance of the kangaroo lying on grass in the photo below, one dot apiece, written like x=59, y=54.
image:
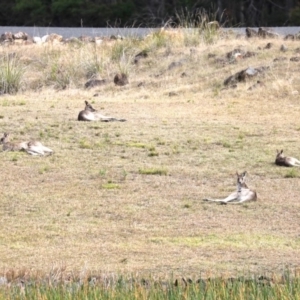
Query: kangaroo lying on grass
x=31, y=147
x=91, y=114
x=285, y=161
x=242, y=194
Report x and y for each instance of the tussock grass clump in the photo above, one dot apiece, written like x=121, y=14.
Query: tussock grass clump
x=11, y=74
x=84, y=144
x=200, y=26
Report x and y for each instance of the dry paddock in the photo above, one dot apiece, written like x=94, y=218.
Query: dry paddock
x=127, y=197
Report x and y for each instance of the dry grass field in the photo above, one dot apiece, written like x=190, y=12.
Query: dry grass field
x=128, y=197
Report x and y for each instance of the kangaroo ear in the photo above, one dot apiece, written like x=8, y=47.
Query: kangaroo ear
x=86, y=102
x=244, y=174
x=281, y=151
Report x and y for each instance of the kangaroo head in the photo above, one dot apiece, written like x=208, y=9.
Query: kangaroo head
x=241, y=178
x=89, y=107
x=279, y=154
x=4, y=139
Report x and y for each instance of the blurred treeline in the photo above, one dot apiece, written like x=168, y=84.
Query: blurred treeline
x=148, y=13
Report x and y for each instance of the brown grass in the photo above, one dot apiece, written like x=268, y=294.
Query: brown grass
x=91, y=206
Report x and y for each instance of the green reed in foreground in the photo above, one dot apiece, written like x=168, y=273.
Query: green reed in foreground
x=233, y=288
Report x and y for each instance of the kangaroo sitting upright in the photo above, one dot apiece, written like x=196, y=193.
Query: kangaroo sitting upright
x=242, y=194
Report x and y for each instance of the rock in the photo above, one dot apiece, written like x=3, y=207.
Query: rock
x=54, y=38
x=233, y=56
x=116, y=37
x=6, y=37
x=251, y=32
x=248, y=54
x=174, y=64
x=283, y=48
x=121, y=79
x=233, y=53
x=295, y=58
x=45, y=38
x=87, y=39
x=98, y=40
x=243, y=75
x=292, y=36
x=211, y=55
x=37, y=40
x=266, y=33
x=20, y=36
x=142, y=54
x=95, y=82
x=73, y=41
x=268, y=46
x=171, y=94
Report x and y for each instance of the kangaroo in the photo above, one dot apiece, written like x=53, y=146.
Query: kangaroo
x=285, y=161
x=242, y=194
x=37, y=148
x=31, y=147
x=8, y=146
x=91, y=114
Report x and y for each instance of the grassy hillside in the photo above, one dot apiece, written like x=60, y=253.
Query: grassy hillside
x=127, y=197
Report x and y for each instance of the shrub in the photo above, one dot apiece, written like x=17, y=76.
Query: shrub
x=11, y=75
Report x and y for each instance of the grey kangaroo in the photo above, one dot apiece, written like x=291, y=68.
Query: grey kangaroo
x=31, y=147
x=285, y=161
x=91, y=114
x=242, y=194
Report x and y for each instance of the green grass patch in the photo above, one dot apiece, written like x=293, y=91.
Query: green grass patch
x=84, y=144
x=44, y=169
x=137, y=145
x=110, y=186
x=153, y=171
x=126, y=287
x=292, y=173
x=153, y=153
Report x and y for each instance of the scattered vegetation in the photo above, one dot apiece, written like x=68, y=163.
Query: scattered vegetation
x=292, y=173
x=121, y=287
x=11, y=74
x=153, y=171
x=110, y=186
x=93, y=200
